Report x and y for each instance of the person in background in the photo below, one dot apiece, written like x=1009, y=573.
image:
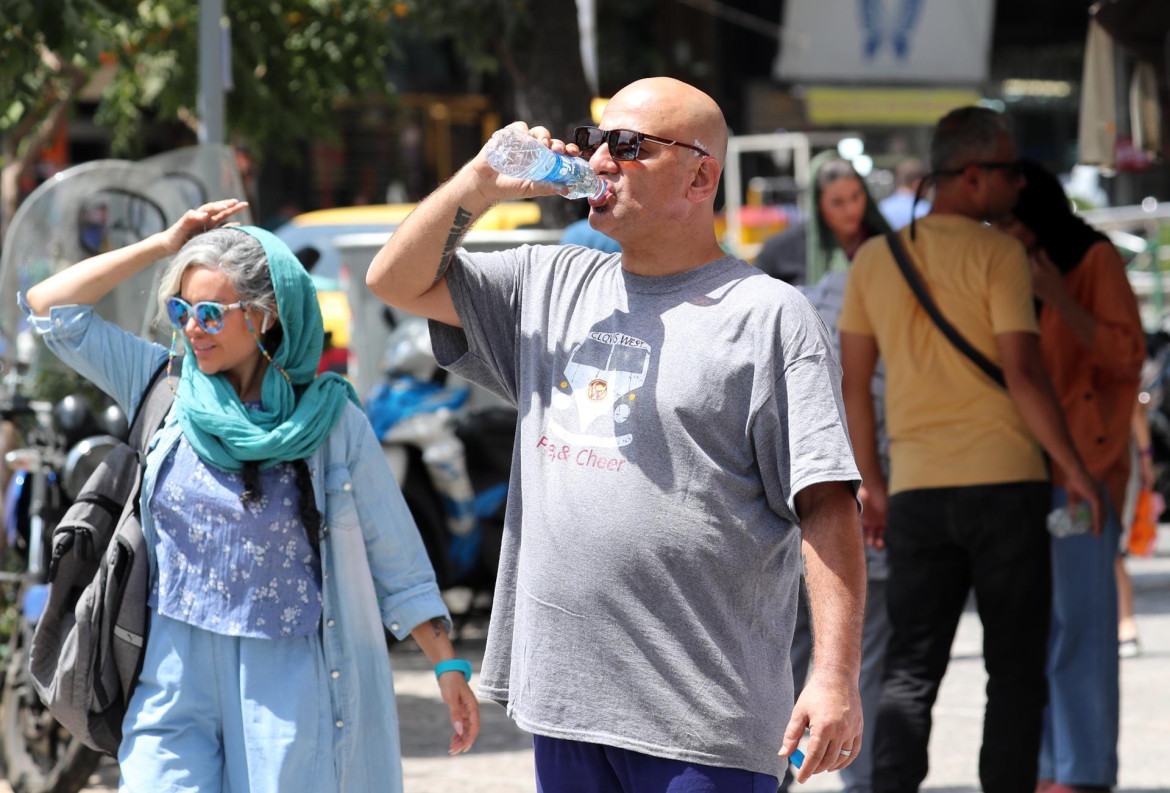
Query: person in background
x=899, y=208
x=843, y=210
x=1093, y=346
x=1141, y=480
x=857, y=777
x=579, y=232
x=968, y=491
x=839, y=217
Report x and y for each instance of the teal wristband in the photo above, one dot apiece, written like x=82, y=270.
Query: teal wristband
x=454, y=665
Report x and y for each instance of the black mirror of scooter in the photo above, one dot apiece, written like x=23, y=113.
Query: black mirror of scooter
x=388, y=318
x=308, y=256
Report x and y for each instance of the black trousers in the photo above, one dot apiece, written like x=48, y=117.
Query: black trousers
x=942, y=542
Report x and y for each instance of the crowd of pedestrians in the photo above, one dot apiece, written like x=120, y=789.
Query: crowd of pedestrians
x=742, y=521
x=961, y=500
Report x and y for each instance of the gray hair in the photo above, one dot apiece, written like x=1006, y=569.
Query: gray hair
x=236, y=254
x=965, y=135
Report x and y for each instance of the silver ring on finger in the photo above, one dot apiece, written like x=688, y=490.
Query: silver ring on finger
x=846, y=752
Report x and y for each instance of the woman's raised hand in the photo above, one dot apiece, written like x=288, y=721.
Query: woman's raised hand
x=87, y=282
x=197, y=221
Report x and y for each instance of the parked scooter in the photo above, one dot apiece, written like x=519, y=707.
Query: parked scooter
x=63, y=444
x=452, y=463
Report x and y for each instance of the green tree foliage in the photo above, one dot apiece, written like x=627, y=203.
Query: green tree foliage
x=480, y=31
x=291, y=61
x=534, y=45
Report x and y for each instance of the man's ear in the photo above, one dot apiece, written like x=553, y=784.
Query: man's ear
x=973, y=177
x=706, y=180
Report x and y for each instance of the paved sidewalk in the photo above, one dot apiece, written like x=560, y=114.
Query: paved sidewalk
x=501, y=761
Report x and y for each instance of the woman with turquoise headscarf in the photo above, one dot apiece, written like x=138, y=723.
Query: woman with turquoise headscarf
x=839, y=215
x=279, y=542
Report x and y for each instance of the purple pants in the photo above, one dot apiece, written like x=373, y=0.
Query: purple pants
x=577, y=767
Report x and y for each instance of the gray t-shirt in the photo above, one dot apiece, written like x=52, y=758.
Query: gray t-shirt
x=647, y=588
x=827, y=297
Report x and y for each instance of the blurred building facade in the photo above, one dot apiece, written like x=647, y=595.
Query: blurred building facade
x=772, y=64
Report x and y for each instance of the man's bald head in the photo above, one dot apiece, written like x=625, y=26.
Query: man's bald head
x=673, y=109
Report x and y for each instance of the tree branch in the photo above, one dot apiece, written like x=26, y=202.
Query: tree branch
x=51, y=114
x=32, y=118
x=46, y=119
x=45, y=133
x=189, y=119
x=519, y=79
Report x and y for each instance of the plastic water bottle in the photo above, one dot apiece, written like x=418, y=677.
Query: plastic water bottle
x=1070, y=520
x=518, y=154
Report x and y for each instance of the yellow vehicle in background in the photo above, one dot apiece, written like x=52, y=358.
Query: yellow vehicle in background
x=319, y=239
x=313, y=237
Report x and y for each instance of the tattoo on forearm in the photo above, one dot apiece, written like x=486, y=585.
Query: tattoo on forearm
x=437, y=627
x=458, y=228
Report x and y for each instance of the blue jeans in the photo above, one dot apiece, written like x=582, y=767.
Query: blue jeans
x=565, y=766
x=1079, y=745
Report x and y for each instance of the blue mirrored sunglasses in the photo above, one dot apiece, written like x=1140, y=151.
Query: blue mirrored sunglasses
x=208, y=316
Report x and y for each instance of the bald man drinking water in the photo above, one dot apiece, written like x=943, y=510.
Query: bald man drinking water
x=644, y=607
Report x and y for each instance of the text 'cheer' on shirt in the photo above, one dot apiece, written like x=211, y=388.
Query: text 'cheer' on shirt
x=646, y=594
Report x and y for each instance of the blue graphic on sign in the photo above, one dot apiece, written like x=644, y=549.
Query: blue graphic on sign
x=881, y=26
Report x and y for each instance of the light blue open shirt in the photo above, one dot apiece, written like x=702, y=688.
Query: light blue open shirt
x=374, y=566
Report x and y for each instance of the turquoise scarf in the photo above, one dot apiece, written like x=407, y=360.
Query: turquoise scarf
x=296, y=416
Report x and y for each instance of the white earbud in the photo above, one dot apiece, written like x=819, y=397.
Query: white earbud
x=264, y=327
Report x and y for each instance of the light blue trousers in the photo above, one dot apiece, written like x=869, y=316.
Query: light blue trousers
x=1079, y=745
x=216, y=713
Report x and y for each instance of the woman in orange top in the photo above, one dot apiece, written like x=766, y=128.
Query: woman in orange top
x=1093, y=346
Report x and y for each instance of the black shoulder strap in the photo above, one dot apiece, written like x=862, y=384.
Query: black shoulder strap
x=152, y=409
x=953, y=336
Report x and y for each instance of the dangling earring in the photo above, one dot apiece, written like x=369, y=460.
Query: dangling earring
x=260, y=344
x=171, y=360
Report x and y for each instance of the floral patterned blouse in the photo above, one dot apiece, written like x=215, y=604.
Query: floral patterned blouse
x=229, y=568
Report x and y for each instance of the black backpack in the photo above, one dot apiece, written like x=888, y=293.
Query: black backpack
x=88, y=646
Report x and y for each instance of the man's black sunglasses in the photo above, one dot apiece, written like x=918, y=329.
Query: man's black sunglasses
x=624, y=144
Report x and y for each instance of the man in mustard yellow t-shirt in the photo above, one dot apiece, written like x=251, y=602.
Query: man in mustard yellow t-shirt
x=966, y=504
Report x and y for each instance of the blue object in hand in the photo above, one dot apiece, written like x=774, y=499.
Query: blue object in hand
x=796, y=758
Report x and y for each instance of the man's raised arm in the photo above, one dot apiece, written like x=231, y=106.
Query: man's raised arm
x=410, y=271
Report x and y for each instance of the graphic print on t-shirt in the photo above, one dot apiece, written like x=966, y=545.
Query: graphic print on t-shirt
x=593, y=401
